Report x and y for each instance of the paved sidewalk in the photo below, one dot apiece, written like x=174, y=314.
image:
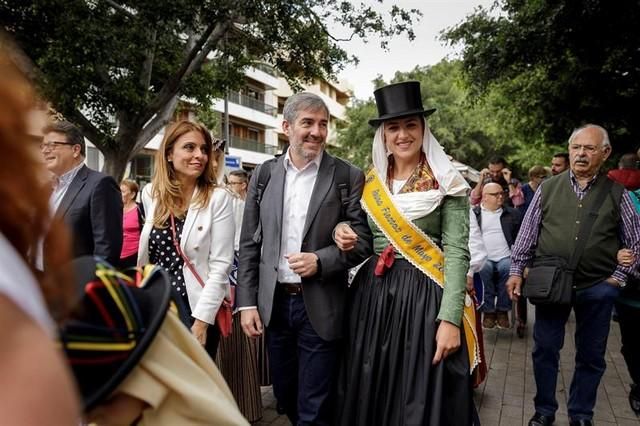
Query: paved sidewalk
x=506, y=397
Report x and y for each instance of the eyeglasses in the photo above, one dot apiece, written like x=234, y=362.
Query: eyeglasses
x=587, y=148
x=496, y=194
x=53, y=145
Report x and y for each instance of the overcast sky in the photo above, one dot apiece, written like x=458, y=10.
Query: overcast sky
x=403, y=55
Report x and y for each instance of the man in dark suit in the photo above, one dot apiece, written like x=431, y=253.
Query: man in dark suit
x=291, y=275
x=89, y=201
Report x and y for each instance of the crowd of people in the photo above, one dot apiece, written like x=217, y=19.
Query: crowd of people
x=253, y=265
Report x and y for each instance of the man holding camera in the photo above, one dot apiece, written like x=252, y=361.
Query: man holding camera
x=497, y=172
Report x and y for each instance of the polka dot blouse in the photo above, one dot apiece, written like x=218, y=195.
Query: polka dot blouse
x=162, y=252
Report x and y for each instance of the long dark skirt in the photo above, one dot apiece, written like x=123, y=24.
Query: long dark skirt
x=237, y=360
x=386, y=376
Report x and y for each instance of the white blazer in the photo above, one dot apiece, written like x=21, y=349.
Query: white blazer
x=207, y=240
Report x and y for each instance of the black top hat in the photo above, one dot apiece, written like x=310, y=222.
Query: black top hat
x=399, y=100
x=112, y=325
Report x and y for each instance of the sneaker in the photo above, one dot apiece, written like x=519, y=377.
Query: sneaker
x=489, y=320
x=503, y=320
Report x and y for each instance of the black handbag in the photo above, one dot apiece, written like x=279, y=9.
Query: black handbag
x=549, y=281
x=550, y=278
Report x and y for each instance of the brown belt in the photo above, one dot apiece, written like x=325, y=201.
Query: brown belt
x=292, y=289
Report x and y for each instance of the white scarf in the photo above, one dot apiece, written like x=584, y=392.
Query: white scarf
x=420, y=204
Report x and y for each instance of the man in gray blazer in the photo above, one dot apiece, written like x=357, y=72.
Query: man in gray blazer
x=291, y=275
x=89, y=201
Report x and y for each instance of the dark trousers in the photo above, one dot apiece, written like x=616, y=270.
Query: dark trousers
x=303, y=365
x=592, y=308
x=494, y=276
x=629, y=319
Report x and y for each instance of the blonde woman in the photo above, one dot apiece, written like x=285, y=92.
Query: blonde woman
x=189, y=215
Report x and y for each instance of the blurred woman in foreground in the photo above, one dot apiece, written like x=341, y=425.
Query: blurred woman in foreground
x=36, y=386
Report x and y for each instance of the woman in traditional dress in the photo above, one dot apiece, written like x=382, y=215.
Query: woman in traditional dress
x=407, y=357
x=189, y=214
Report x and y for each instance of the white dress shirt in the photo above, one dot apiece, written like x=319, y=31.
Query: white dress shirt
x=298, y=186
x=492, y=235
x=60, y=188
x=238, y=213
x=477, y=251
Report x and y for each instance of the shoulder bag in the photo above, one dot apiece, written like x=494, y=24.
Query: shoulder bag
x=224, y=314
x=550, y=278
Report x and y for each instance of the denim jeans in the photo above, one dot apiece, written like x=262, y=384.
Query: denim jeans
x=629, y=319
x=494, y=277
x=303, y=365
x=592, y=307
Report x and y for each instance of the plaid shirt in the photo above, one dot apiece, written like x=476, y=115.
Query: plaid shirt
x=523, y=249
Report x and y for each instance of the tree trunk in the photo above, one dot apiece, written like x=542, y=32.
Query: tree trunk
x=115, y=162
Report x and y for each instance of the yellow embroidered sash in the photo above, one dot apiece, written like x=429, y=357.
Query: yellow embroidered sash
x=417, y=247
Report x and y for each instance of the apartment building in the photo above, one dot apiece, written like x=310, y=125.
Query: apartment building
x=255, y=120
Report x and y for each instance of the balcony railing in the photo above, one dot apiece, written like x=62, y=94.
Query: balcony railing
x=266, y=68
x=255, y=146
x=249, y=102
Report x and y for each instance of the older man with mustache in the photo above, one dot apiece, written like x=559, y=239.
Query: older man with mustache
x=551, y=228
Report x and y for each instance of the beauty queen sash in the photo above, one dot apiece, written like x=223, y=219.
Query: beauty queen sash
x=417, y=247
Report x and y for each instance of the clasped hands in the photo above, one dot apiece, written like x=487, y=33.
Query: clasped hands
x=448, y=334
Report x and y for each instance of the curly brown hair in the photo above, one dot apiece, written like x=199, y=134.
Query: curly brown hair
x=25, y=189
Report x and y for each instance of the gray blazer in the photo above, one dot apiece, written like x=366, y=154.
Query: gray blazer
x=325, y=293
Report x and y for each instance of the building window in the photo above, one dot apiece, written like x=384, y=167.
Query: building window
x=281, y=101
x=93, y=158
x=141, y=169
x=253, y=134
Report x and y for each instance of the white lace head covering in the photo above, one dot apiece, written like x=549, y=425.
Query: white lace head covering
x=450, y=181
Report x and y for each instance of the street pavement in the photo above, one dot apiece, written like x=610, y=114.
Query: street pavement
x=506, y=396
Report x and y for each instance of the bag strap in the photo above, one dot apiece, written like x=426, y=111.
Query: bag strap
x=141, y=217
x=184, y=257
x=225, y=302
x=342, y=183
x=587, y=224
x=263, y=179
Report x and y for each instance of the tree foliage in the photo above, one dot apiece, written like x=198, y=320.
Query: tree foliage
x=118, y=67
x=463, y=128
x=554, y=65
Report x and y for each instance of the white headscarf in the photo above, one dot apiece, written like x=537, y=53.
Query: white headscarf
x=419, y=204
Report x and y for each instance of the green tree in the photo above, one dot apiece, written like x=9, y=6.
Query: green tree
x=462, y=127
x=355, y=134
x=555, y=65
x=118, y=67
